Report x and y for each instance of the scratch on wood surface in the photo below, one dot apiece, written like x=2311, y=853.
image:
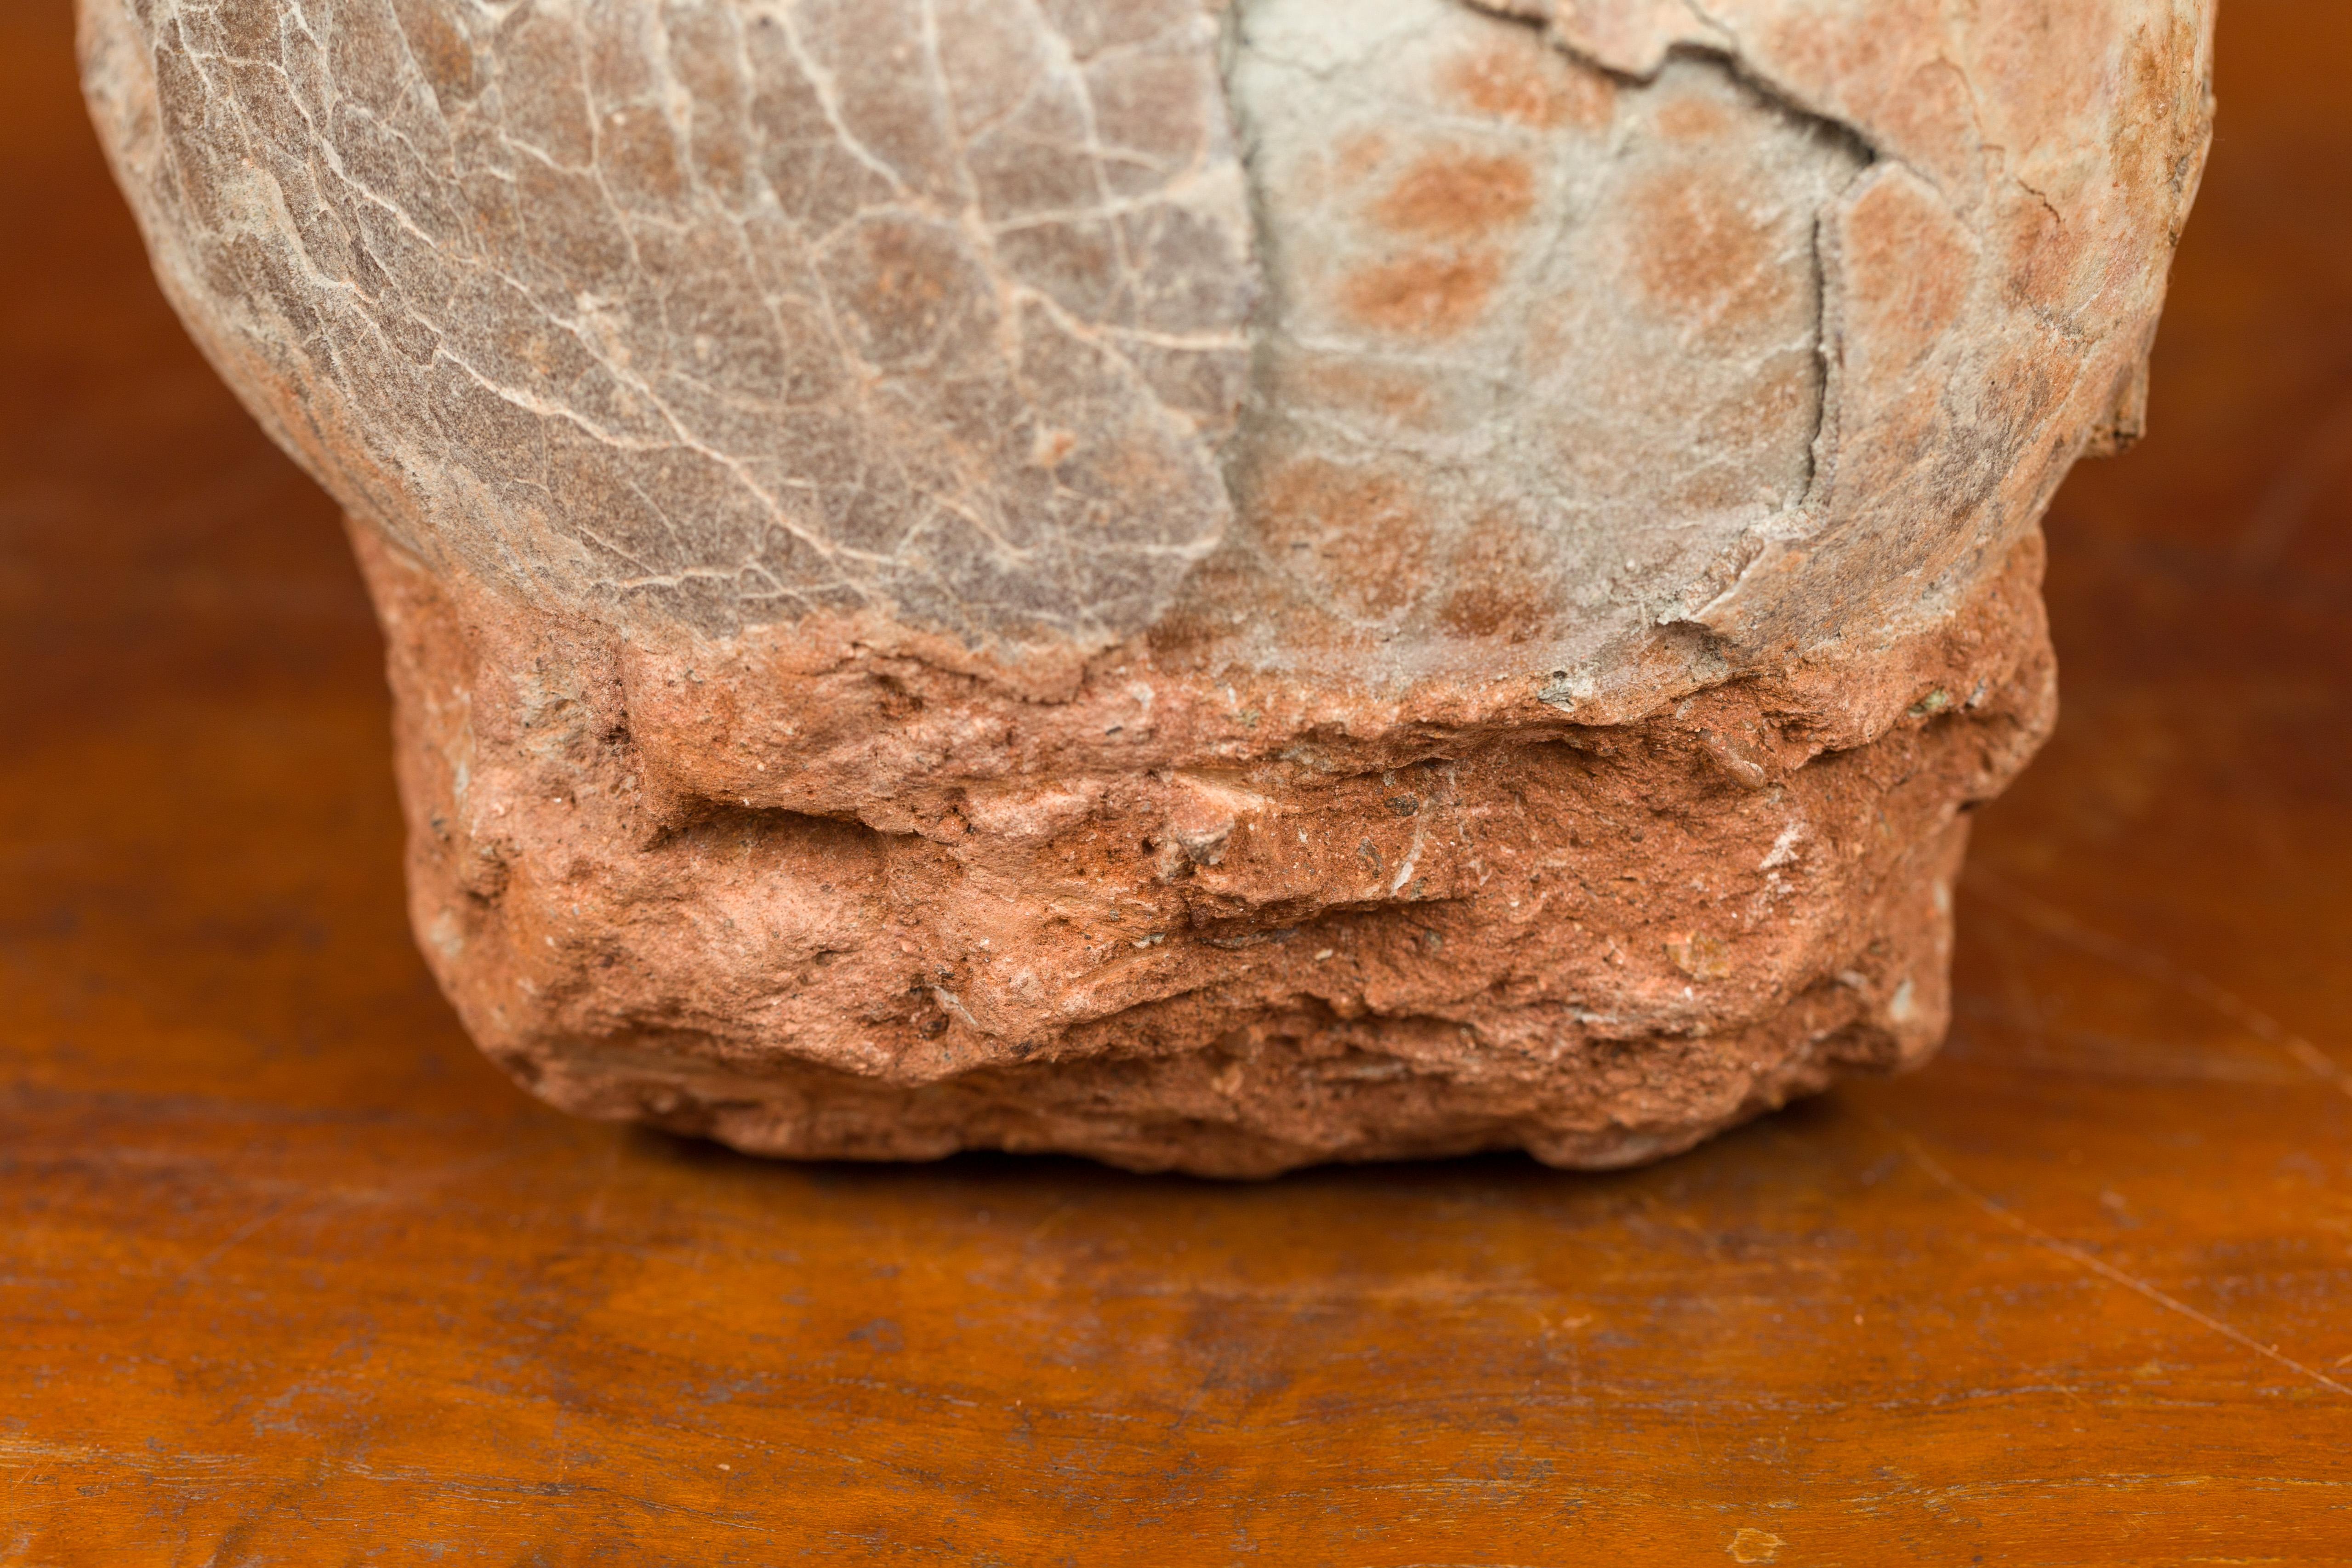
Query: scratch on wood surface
x=242, y=1470
x=391, y=1193
x=2294, y=489
x=201, y=1265
x=2099, y=1265
x=2111, y=1055
x=2119, y=1481
x=2053, y=922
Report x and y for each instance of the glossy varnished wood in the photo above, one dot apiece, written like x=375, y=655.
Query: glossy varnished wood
x=288, y=1275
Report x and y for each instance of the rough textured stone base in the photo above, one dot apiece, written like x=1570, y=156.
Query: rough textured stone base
x=804, y=913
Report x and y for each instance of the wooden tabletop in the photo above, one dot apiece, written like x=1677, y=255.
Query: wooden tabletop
x=288, y=1275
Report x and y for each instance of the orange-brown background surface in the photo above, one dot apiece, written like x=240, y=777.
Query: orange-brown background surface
x=288, y=1275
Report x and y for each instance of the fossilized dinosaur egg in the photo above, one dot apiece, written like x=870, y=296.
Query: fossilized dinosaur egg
x=1217, y=585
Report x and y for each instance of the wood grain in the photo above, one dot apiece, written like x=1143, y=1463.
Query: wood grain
x=288, y=1275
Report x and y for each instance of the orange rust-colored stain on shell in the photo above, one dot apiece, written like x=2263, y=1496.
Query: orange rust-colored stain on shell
x=1502, y=584
x=1908, y=269
x=1364, y=533
x=1453, y=195
x=1701, y=252
x=1429, y=294
x=1349, y=383
x=1692, y=120
x=1357, y=155
x=1528, y=84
